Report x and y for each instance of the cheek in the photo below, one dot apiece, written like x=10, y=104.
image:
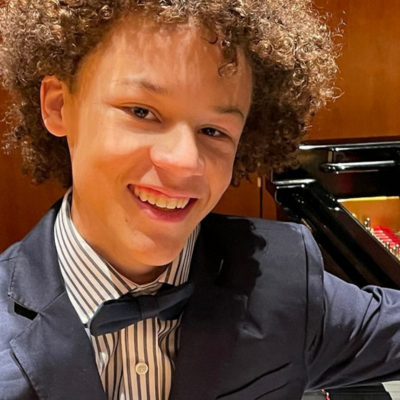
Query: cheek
x=220, y=177
x=105, y=143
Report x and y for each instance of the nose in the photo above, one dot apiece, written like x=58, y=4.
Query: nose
x=177, y=151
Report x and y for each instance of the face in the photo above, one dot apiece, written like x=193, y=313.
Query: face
x=152, y=130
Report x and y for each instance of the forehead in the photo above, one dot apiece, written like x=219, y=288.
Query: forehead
x=188, y=52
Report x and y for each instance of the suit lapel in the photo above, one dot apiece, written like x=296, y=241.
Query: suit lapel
x=209, y=330
x=54, y=350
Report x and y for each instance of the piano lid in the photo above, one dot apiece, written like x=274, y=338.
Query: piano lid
x=348, y=168
x=345, y=192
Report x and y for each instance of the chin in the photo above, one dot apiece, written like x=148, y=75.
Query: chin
x=160, y=260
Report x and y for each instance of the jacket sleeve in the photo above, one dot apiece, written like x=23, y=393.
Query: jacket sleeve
x=353, y=335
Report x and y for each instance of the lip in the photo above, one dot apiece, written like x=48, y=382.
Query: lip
x=172, y=194
x=177, y=215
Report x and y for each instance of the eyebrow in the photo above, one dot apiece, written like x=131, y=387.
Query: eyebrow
x=139, y=83
x=143, y=84
x=230, y=110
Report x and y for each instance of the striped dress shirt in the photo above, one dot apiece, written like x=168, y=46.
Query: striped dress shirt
x=135, y=363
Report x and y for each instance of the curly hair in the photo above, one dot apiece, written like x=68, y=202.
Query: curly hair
x=289, y=47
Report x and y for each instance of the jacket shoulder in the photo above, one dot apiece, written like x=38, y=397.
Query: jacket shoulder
x=6, y=267
x=243, y=231
x=10, y=253
x=16, y=270
x=269, y=260
x=279, y=269
x=223, y=220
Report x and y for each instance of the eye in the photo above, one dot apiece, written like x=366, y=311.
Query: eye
x=143, y=113
x=212, y=132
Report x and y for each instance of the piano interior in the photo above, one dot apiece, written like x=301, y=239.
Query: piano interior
x=380, y=216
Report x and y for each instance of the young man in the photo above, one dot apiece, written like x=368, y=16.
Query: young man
x=145, y=109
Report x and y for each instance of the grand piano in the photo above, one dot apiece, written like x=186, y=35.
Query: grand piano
x=348, y=194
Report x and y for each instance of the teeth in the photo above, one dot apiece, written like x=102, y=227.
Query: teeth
x=142, y=195
x=183, y=203
x=160, y=201
x=151, y=199
x=172, y=203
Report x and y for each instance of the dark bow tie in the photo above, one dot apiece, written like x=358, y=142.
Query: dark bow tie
x=114, y=315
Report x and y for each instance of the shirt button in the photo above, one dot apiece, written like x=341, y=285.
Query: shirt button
x=141, y=368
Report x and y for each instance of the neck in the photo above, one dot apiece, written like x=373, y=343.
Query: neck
x=143, y=277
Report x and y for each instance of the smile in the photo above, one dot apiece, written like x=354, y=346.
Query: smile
x=159, y=201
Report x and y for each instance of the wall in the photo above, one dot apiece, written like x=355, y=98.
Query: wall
x=370, y=73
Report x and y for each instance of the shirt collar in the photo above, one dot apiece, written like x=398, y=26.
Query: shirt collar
x=91, y=280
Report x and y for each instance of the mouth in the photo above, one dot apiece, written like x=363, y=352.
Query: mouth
x=160, y=201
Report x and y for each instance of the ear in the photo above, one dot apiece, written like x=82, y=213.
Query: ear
x=52, y=100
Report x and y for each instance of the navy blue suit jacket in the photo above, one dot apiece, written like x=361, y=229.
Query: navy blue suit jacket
x=265, y=321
